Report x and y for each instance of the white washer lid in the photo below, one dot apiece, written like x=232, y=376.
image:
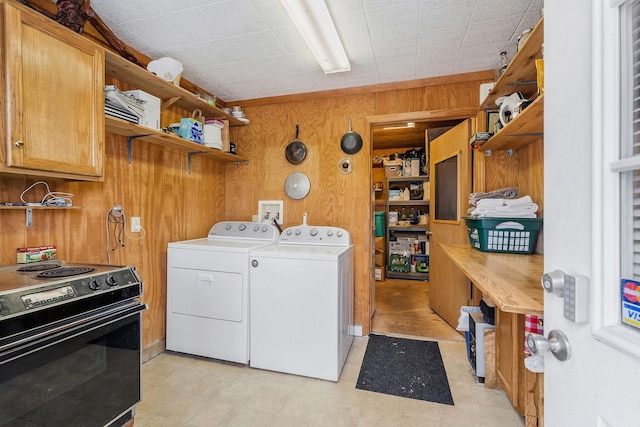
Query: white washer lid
x=222, y=245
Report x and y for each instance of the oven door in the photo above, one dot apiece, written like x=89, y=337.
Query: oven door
x=85, y=374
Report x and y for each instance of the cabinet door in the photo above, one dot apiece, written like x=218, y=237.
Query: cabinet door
x=55, y=92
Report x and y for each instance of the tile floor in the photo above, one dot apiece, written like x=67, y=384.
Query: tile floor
x=187, y=391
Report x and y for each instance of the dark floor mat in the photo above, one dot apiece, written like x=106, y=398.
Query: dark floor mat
x=406, y=368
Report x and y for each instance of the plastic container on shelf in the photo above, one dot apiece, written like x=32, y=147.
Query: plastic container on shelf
x=505, y=235
x=379, y=223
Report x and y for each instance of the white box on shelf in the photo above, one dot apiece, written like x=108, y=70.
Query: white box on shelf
x=151, y=118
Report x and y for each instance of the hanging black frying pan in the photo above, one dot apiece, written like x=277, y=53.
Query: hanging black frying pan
x=296, y=151
x=351, y=141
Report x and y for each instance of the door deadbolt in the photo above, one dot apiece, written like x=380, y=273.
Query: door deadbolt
x=554, y=282
x=557, y=344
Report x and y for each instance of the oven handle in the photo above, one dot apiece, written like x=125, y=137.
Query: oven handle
x=121, y=312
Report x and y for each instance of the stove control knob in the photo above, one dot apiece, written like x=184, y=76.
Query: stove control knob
x=94, y=285
x=314, y=232
x=298, y=232
x=339, y=234
x=329, y=232
x=111, y=281
x=256, y=227
x=242, y=227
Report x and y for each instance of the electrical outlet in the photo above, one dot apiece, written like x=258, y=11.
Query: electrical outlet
x=135, y=224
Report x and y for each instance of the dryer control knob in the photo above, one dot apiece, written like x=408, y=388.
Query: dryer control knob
x=227, y=227
x=314, y=232
x=339, y=233
x=264, y=228
x=288, y=232
x=242, y=227
x=256, y=227
x=329, y=232
x=298, y=232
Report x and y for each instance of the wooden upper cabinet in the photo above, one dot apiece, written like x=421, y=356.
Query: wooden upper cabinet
x=54, y=83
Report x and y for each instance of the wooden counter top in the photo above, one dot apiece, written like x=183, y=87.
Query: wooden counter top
x=510, y=281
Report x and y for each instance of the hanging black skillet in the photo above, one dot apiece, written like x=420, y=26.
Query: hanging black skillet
x=351, y=141
x=296, y=151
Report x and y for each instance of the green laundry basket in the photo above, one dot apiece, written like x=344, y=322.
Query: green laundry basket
x=379, y=223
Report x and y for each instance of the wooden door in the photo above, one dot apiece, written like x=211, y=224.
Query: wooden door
x=450, y=175
x=55, y=88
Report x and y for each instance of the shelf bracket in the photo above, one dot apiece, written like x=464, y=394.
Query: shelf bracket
x=29, y=216
x=487, y=153
x=509, y=152
x=193, y=153
x=246, y=163
x=130, y=144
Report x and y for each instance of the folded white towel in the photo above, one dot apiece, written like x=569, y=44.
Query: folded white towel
x=524, y=200
x=518, y=211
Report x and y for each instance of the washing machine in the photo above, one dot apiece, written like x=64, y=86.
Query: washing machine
x=302, y=302
x=208, y=290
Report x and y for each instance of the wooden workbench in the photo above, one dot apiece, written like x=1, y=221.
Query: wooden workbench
x=512, y=283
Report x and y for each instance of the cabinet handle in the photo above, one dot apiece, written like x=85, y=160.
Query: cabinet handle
x=19, y=144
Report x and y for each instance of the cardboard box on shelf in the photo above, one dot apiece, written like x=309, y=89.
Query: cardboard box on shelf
x=379, y=257
x=151, y=118
x=379, y=273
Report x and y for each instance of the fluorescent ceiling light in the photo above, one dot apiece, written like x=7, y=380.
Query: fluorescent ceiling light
x=313, y=21
x=405, y=126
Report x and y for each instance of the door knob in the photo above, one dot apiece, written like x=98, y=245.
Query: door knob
x=557, y=344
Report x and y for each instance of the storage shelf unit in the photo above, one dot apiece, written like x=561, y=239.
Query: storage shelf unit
x=133, y=131
x=409, y=231
x=520, y=76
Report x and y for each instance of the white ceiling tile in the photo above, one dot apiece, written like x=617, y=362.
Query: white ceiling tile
x=391, y=21
x=436, y=14
x=487, y=10
x=242, y=49
x=395, y=47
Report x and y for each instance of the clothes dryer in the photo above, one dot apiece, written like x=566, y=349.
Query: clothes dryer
x=208, y=290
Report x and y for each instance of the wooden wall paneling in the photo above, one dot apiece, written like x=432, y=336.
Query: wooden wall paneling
x=397, y=101
x=531, y=173
x=501, y=169
x=334, y=198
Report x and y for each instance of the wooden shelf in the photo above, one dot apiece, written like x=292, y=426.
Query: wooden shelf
x=421, y=178
x=140, y=78
x=420, y=228
x=408, y=202
x=39, y=207
x=520, y=75
x=125, y=128
x=526, y=128
x=407, y=275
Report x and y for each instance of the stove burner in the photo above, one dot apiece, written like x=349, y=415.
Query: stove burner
x=38, y=267
x=64, y=272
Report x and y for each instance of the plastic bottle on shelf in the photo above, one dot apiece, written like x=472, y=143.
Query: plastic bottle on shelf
x=412, y=216
x=403, y=214
x=502, y=64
